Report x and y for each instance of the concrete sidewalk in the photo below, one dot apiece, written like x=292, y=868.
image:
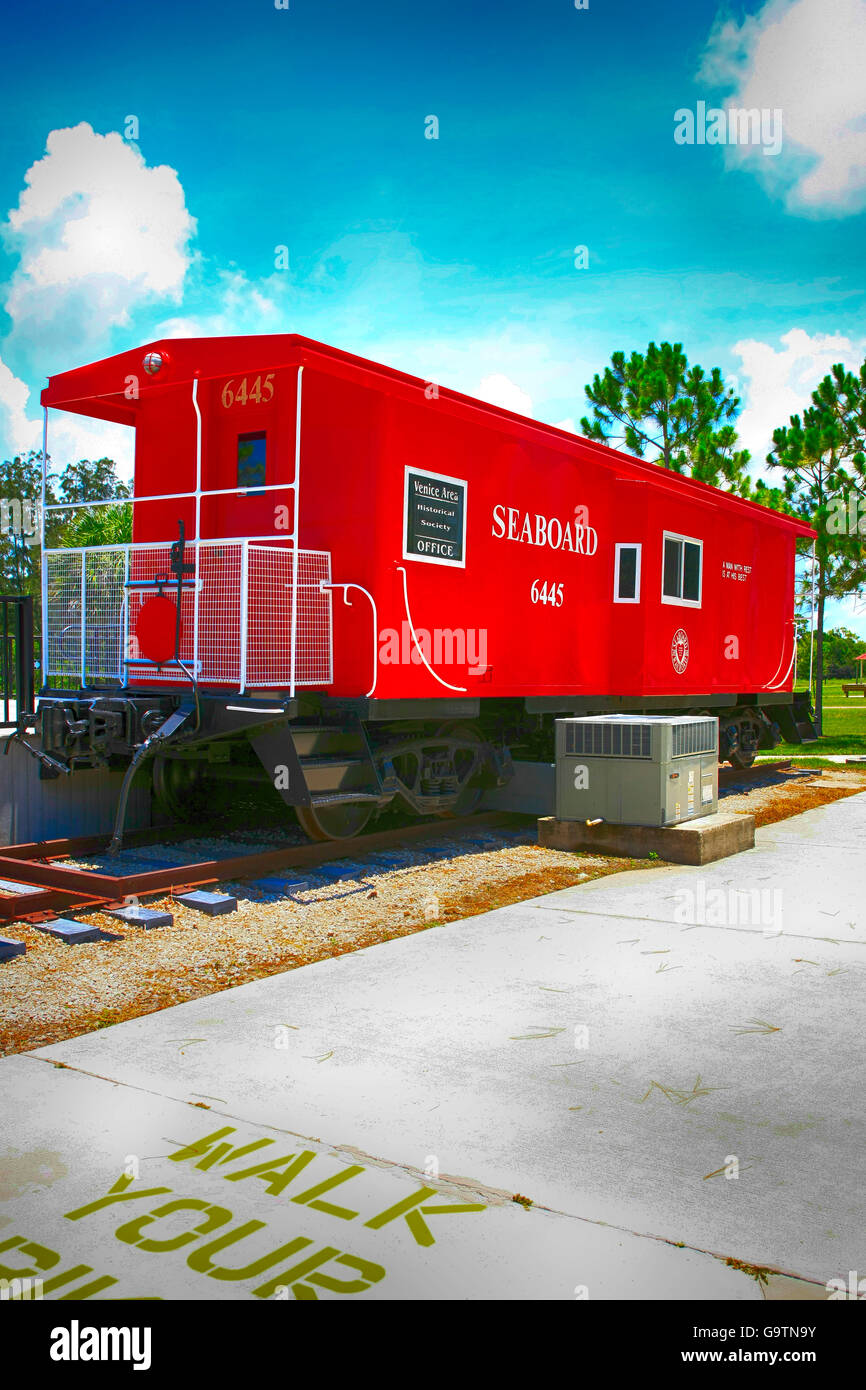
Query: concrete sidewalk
x=605, y=1052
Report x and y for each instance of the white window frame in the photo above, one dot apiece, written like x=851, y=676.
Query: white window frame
x=620, y=546
x=254, y=491
x=683, y=602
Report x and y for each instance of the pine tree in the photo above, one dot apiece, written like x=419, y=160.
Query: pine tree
x=823, y=457
x=657, y=407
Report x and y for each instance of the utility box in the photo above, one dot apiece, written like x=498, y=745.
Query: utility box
x=630, y=769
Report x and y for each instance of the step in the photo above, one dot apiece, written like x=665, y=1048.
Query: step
x=336, y=774
x=343, y=798
x=313, y=740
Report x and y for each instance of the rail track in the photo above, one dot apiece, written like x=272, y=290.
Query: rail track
x=40, y=879
x=38, y=882
x=744, y=776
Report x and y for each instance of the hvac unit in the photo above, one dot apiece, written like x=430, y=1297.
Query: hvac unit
x=632, y=769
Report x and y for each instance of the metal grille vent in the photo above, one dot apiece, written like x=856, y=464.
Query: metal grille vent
x=694, y=738
x=608, y=740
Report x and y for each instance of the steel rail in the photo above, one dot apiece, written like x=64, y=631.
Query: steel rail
x=728, y=776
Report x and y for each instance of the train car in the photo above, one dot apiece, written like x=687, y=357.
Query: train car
x=370, y=589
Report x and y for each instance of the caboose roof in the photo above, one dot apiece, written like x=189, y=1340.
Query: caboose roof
x=99, y=390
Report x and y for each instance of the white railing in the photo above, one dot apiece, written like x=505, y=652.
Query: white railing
x=75, y=645
x=239, y=625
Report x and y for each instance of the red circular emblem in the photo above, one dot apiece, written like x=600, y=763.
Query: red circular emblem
x=680, y=650
x=155, y=629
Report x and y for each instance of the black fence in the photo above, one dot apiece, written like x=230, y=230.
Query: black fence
x=16, y=657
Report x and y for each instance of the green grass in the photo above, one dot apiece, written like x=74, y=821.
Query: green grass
x=844, y=725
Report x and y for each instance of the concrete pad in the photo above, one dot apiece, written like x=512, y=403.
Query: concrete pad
x=146, y=917
x=592, y=1051
x=152, y=1221
x=65, y=929
x=699, y=841
x=466, y=1044
x=341, y=870
x=213, y=904
x=280, y=885
x=806, y=876
x=8, y=885
x=9, y=949
x=839, y=823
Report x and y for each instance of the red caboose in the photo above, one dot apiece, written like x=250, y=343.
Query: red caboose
x=378, y=586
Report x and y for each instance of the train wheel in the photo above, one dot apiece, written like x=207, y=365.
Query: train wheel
x=740, y=759
x=182, y=788
x=340, y=822
x=740, y=756
x=465, y=763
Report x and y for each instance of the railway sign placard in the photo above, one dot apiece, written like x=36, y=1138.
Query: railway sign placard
x=434, y=518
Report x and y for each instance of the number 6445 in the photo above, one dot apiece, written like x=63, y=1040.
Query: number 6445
x=259, y=393
x=546, y=593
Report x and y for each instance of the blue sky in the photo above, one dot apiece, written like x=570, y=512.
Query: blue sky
x=451, y=257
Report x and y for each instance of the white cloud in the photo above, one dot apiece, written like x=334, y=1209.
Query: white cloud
x=775, y=384
x=74, y=437
x=237, y=305
x=98, y=233
x=16, y=431
x=500, y=390
x=70, y=437
x=532, y=373
x=807, y=58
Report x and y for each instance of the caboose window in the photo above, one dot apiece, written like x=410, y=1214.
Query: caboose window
x=252, y=460
x=626, y=579
x=681, y=570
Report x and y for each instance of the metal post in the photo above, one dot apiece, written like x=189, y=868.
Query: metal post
x=812, y=624
x=43, y=583
x=5, y=604
x=83, y=619
x=195, y=603
x=245, y=580
x=296, y=536
x=24, y=693
x=123, y=673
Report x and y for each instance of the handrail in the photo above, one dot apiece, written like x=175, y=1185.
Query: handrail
x=327, y=584
x=168, y=496
x=296, y=533
x=195, y=406
x=461, y=688
x=279, y=543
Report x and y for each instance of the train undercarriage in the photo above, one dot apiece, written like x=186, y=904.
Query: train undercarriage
x=338, y=764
